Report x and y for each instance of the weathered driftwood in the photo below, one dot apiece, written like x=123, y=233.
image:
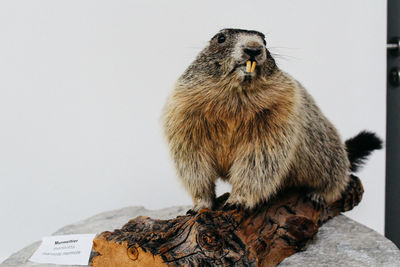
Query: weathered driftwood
x=261, y=237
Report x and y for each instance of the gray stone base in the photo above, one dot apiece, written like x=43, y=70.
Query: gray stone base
x=339, y=242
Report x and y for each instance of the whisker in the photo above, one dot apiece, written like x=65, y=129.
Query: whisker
x=276, y=52
x=284, y=57
x=283, y=47
x=195, y=47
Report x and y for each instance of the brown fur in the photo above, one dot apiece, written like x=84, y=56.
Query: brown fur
x=259, y=132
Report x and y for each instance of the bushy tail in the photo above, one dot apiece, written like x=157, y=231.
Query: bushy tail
x=360, y=147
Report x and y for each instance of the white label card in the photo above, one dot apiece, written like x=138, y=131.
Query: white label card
x=64, y=249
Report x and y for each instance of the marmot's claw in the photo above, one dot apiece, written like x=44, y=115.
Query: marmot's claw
x=229, y=206
x=191, y=212
x=317, y=200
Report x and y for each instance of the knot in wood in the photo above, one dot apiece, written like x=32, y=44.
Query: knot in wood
x=210, y=240
x=301, y=227
x=133, y=253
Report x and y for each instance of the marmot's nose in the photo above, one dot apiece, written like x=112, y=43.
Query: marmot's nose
x=252, y=52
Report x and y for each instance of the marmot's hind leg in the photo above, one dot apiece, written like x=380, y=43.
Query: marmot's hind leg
x=329, y=192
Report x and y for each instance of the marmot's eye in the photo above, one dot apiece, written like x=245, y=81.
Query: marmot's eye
x=221, y=38
x=265, y=42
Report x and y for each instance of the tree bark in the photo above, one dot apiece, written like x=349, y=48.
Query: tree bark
x=260, y=237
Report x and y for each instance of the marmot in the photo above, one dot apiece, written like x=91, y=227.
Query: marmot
x=235, y=115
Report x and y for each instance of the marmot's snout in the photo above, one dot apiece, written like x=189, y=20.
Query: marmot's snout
x=252, y=52
x=253, y=56
x=252, y=49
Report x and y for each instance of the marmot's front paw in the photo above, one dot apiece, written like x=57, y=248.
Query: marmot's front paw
x=191, y=212
x=201, y=204
x=235, y=203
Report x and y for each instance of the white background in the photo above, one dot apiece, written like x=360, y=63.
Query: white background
x=82, y=85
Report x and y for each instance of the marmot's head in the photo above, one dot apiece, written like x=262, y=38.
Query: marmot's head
x=238, y=55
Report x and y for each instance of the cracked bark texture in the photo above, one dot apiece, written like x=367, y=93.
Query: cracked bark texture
x=260, y=237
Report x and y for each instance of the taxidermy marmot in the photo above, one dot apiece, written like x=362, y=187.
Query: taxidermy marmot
x=235, y=115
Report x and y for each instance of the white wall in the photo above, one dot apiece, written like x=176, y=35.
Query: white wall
x=82, y=84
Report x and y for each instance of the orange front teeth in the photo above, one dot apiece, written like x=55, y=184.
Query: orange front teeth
x=250, y=66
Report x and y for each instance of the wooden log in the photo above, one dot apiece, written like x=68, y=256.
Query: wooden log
x=261, y=237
